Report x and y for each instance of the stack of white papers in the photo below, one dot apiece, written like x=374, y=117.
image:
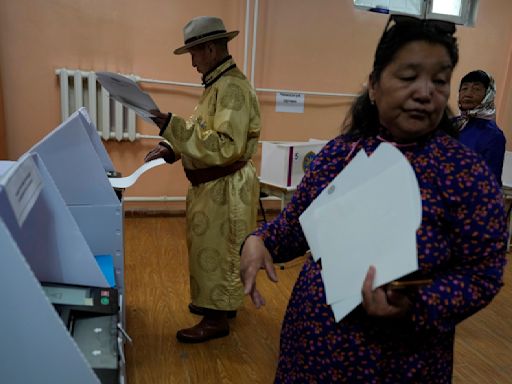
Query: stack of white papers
x=127, y=92
x=368, y=215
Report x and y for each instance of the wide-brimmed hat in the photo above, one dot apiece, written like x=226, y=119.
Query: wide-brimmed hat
x=202, y=29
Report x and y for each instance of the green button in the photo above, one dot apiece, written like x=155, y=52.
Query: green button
x=105, y=300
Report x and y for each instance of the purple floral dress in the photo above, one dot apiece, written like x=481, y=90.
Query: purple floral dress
x=461, y=246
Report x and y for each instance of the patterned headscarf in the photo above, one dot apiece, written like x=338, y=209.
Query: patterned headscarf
x=485, y=110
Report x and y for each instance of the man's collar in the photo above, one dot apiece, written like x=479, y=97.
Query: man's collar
x=213, y=75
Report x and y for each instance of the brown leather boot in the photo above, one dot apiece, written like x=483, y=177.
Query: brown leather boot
x=212, y=326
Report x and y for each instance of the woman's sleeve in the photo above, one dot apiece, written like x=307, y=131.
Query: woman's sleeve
x=476, y=228
x=494, y=154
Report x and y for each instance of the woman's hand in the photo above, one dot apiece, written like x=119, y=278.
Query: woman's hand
x=255, y=256
x=381, y=301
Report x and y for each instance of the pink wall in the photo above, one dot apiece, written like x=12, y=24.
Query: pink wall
x=322, y=45
x=3, y=139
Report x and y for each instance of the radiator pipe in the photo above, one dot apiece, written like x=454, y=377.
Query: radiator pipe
x=254, y=39
x=314, y=93
x=246, y=37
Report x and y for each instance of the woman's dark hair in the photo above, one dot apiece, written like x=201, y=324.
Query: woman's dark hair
x=363, y=118
x=477, y=76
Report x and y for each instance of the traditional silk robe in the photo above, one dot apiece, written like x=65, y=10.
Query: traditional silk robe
x=461, y=246
x=223, y=129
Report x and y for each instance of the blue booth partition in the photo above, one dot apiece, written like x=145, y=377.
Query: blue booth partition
x=74, y=215
x=35, y=345
x=43, y=227
x=78, y=163
x=40, y=242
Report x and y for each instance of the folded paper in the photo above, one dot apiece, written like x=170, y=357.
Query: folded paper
x=368, y=215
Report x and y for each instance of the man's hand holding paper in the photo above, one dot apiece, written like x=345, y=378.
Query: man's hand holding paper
x=127, y=92
x=160, y=119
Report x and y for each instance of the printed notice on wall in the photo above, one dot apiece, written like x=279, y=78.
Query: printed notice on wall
x=289, y=102
x=23, y=187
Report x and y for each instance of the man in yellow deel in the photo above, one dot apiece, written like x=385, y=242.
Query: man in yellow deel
x=215, y=146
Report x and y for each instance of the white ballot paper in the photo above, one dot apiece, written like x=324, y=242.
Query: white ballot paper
x=128, y=181
x=368, y=215
x=354, y=174
x=128, y=93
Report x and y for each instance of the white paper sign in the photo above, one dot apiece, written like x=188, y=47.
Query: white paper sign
x=289, y=102
x=22, y=185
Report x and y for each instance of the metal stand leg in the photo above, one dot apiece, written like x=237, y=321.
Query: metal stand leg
x=263, y=194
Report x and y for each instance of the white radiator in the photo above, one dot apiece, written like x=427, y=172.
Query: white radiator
x=80, y=89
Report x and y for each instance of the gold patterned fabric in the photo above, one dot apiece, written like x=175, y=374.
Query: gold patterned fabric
x=223, y=129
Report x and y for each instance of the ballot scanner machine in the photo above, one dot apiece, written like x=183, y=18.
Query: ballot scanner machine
x=64, y=317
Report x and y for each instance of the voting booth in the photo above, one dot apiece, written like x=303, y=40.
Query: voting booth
x=61, y=236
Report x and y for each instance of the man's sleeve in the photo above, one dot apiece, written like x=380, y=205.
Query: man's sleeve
x=222, y=139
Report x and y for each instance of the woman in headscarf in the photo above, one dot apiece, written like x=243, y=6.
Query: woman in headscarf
x=477, y=125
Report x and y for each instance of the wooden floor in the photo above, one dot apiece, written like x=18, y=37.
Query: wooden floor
x=157, y=295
